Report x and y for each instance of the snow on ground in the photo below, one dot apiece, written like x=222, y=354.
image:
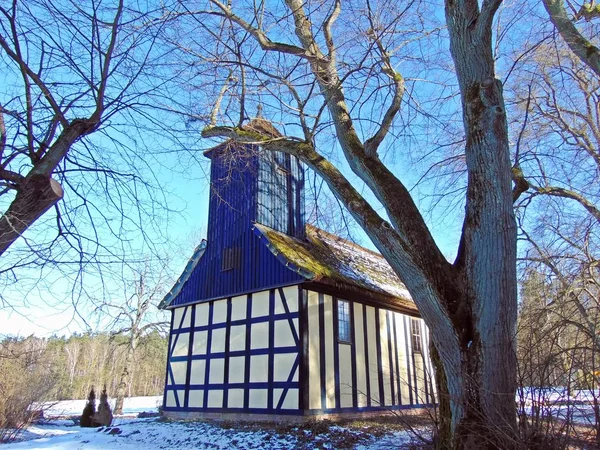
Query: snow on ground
x=154, y=434
x=60, y=433
x=131, y=405
x=578, y=405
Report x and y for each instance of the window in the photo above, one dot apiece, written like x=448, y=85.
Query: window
x=344, y=332
x=415, y=328
x=231, y=258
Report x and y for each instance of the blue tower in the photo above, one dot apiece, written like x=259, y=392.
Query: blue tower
x=248, y=185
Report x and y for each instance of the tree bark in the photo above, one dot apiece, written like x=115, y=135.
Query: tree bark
x=484, y=411
x=35, y=196
x=125, y=377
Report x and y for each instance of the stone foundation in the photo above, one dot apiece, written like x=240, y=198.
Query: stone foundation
x=286, y=418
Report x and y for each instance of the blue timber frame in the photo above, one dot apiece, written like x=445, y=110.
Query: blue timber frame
x=270, y=351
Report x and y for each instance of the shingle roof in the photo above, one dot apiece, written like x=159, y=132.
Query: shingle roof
x=326, y=257
x=323, y=257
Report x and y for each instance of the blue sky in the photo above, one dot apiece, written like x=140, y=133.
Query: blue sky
x=41, y=300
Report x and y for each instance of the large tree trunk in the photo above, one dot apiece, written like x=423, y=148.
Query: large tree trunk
x=35, y=196
x=125, y=377
x=476, y=384
x=482, y=387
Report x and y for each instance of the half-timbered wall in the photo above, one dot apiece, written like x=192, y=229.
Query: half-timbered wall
x=377, y=368
x=238, y=354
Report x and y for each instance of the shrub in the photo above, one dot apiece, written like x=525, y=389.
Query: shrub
x=103, y=418
x=27, y=378
x=87, y=416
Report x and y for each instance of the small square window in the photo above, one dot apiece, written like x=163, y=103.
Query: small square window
x=231, y=258
x=344, y=331
x=415, y=327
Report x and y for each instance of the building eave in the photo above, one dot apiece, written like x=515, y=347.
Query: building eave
x=189, y=268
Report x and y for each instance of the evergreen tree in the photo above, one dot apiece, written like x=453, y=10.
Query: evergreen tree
x=87, y=417
x=104, y=415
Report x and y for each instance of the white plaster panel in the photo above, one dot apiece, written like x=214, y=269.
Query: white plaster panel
x=258, y=398
x=385, y=358
x=217, y=369
x=215, y=398
x=220, y=311
x=180, y=344
x=196, y=399
x=171, y=399
x=235, y=398
x=200, y=341
x=276, y=396
x=373, y=368
x=291, y=295
x=238, y=307
x=236, y=369
x=401, y=343
x=393, y=368
x=361, y=363
x=260, y=304
x=259, y=368
x=237, y=338
x=314, y=361
x=345, y=358
x=177, y=315
x=291, y=399
x=420, y=398
x=201, y=315
x=198, y=371
x=283, y=333
x=259, y=335
x=279, y=309
x=282, y=366
x=217, y=344
x=187, y=319
x=329, y=362
x=179, y=369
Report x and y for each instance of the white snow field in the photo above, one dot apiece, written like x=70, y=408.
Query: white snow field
x=153, y=433
x=131, y=405
x=576, y=405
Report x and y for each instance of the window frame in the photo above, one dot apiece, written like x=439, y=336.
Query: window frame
x=416, y=335
x=344, y=322
x=230, y=258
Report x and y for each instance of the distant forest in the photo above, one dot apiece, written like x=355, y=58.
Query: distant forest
x=63, y=368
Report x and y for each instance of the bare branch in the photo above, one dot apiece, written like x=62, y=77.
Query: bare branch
x=259, y=35
x=582, y=47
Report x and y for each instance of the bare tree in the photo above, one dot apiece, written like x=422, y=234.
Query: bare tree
x=341, y=84
x=136, y=316
x=80, y=81
x=557, y=165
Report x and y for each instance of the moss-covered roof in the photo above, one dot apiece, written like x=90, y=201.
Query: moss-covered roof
x=328, y=258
